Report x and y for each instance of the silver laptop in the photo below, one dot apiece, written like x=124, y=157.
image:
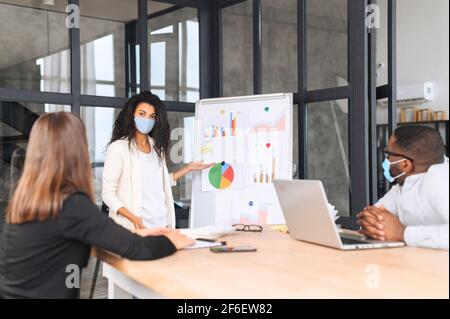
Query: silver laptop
x=304, y=205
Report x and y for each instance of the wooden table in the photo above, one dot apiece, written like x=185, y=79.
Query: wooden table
x=281, y=268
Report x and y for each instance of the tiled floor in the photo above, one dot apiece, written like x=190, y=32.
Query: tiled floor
x=101, y=288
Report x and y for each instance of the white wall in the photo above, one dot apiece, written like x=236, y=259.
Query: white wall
x=422, y=47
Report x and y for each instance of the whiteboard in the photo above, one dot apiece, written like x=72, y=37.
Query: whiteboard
x=249, y=139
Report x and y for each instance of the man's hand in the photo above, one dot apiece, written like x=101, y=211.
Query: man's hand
x=371, y=220
x=393, y=228
x=381, y=224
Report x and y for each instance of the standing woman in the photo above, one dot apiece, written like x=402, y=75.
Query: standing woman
x=136, y=182
x=52, y=221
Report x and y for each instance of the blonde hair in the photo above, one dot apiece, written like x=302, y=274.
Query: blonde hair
x=56, y=165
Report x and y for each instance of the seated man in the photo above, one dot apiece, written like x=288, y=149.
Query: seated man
x=416, y=209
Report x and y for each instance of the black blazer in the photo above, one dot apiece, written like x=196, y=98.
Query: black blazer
x=37, y=258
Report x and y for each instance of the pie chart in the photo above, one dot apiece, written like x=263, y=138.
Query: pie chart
x=221, y=175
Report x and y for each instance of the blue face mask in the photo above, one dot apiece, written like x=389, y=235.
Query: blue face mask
x=387, y=169
x=144, y=125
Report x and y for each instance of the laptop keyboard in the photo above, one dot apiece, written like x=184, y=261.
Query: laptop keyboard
x=348, y=241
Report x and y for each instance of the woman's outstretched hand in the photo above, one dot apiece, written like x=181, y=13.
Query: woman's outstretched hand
x=191, y=167
x=198, y=166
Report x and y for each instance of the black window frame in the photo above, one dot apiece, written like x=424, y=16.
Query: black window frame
x=361, y=91
x=356, y=92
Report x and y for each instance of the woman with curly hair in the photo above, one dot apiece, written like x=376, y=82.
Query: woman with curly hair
x=136, y=182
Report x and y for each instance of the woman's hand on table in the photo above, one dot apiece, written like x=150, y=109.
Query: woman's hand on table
x=179, y=240
x=144, y=232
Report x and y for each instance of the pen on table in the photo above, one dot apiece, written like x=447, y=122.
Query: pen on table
x=212, y=240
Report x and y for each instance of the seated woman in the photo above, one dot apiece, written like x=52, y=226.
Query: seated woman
x=52, y=221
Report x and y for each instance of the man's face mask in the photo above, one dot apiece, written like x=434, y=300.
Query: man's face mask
x=387, y=169
x=387, y=166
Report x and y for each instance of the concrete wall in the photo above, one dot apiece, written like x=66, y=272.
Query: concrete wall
x=422, y=56
x=237, y=42
x=422, y=43
x=327, y=55
x=422, y=48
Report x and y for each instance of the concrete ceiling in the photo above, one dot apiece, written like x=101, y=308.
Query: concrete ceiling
x=41, y=34
x=116, y=10
x=27, y=34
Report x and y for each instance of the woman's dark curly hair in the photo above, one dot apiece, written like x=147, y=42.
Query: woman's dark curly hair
x=124, y=127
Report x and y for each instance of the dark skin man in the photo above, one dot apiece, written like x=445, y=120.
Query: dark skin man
x=377, y=222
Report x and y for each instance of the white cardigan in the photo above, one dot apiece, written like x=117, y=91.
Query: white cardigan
x=122, y=183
